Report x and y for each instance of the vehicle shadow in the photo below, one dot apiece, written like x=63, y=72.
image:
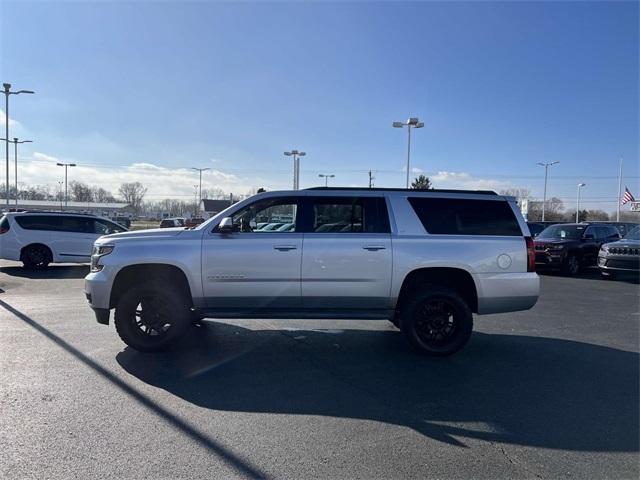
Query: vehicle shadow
x=51, y=272
x=520, y=390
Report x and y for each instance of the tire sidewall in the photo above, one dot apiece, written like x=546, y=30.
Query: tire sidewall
x=462, y=313
x=26, y=261
x=129, y=332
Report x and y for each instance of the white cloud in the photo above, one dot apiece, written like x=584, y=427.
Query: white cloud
x=3, y=121
x=463, y=180
x=162, y=182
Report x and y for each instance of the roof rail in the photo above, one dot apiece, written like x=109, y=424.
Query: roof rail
x=64, y=212
x=414, y=190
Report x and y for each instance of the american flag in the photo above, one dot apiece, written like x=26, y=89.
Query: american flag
x=627, y=197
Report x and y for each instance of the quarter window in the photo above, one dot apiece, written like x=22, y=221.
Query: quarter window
x=452, y=216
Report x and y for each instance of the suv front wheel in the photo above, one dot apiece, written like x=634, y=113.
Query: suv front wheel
x=152, y=317
x=436, y=320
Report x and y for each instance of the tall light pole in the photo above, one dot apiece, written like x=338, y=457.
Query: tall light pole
x=65, y=165
x=413, y=122
x=619, y=191
x=544, y=197
x=15, y=142
x=195, y=200
x=296, y=166
x=580, y=185
x=7, y=91
x=199, y=170
x=60, y=192
x=326, y=178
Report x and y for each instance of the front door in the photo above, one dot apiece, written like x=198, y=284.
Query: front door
x=346, y=262
x=257, y=267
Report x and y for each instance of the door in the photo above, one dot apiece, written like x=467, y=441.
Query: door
x=346, y=260
x=73, y=237
x=254, y=268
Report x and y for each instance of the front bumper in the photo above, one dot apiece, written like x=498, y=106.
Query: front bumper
x=97, y=290
x=550, y=258
x=619, y=263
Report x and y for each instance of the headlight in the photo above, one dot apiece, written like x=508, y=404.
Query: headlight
x=604, y=248
x=98, y=252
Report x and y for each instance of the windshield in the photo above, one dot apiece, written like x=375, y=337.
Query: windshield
x=568, y=232
x=633, y=234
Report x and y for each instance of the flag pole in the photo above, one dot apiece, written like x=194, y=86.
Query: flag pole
x=619, y=191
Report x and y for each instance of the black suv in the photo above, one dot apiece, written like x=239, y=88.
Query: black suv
x=569, y=246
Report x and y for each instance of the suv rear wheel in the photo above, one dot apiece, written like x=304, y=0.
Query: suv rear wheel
x=571, y=265
x=152, y=317
x=436, y=320
x=36, y=256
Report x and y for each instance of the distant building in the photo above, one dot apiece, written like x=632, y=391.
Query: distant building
x=214, y=207
x=112, y=209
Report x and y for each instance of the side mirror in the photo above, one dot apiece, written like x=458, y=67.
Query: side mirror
x=226, y=226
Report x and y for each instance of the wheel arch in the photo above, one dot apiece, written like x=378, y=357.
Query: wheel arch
x=39, y=244
x=144, y=272
x=457, y=279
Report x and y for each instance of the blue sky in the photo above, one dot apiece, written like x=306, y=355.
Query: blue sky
x=170, y=85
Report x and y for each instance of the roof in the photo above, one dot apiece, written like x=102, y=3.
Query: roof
x=211, y=205
x=413, y=190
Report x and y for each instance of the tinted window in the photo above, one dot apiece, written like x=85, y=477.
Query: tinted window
x=348, y=215
x=76, y=225
x=104, y=227
x=38, y=222
x=450, y=216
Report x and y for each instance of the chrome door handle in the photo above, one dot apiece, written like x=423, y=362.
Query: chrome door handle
x=284, y=248
x=373, y=248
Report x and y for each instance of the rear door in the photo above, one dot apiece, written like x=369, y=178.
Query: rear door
x=73, y=238
x=346, y=259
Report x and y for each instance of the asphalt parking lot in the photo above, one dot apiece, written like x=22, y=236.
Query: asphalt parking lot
x=547, y=393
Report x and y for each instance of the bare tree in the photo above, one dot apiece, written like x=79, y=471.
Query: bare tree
x=554, y=209
x=80, y=192
x=101, y=195
x=519, y=193
x=133, y=193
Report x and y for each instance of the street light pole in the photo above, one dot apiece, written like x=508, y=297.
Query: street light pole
x=413, y=122
x=60, y=192
x=199, y=170
x=326, y=178
x=544, y=197
x=15, y=142
x=65, y=165
x=296, y=166
x=7, y=91
x=580, y=185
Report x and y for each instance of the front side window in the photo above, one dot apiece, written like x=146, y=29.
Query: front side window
x=105, y=227
x=348, y=215
x=454, y=216
x=276, y=215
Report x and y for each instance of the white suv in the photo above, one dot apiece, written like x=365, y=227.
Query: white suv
x=425, y=260
x=39, y=238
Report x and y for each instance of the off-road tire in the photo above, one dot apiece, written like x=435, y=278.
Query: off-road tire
x=165, y=304
x=436, y=320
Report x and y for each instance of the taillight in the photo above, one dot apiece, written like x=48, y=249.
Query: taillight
x=531, y=255
x=3, y=230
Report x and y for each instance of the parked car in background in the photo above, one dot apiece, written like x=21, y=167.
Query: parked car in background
x=193, y=221
x=571, y=246
x=40, y=238
x=122, y=220
x=621, y=257
x=536, y=227
x=172, y=222
x=425, y=260
x=623, y=227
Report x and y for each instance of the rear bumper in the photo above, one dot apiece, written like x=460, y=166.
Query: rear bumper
x=507, y=292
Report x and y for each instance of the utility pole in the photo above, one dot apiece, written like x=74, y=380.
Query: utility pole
x=326, y=178
x=413, y=122
x=199, y=170
x=371, y=179
x=544, y=198
x=619, y=191
x=65, y=165
x=296, y=166
x=7, y=91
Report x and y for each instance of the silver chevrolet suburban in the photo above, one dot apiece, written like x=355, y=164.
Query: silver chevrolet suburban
x=425, y=260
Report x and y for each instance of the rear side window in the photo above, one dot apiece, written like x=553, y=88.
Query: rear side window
x=348, y=215
x=452, y=216
x=38, y=222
